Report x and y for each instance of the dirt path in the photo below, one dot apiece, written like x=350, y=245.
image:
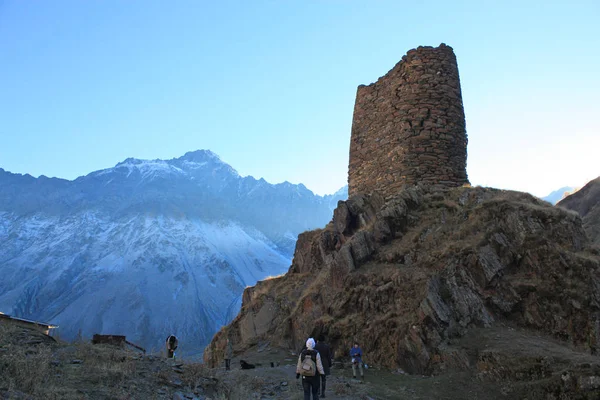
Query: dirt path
x=279, y=381
x=502, y=362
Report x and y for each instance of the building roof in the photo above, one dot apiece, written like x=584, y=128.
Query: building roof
x=6, y=316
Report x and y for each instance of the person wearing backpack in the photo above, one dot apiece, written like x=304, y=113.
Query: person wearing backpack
x=326, y=358
x=310, y=367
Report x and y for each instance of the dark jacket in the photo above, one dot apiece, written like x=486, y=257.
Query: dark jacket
x=325, y=352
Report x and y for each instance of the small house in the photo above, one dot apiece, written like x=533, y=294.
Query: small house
x=39, y=326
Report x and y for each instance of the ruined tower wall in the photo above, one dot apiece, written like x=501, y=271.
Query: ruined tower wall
x=409, y=126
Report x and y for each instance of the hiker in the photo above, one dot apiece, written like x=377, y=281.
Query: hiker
x=356, y=354
x=310, y=366
x=172, y=343
x=228, y=355
x=326, y=358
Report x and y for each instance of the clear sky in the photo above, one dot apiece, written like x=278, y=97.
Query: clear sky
x=270, y=85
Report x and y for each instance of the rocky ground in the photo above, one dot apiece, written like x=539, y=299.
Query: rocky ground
x=509, y=363
x=35, y=366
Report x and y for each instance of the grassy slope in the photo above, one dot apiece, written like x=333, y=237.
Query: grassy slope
x=39, y=369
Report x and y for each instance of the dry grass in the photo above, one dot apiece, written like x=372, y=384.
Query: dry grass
x=106, y=365
x=270, y=277
x=238, y=385
x=246, y=386
x=194, y=374
x=47, y=370
x=25, y=370
x=257, y=383
x=341, y=388
x=296, y=395
x=162, y=377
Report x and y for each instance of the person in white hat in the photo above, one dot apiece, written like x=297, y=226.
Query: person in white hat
x=310, y=368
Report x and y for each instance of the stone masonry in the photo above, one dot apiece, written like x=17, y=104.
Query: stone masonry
x=409, y=126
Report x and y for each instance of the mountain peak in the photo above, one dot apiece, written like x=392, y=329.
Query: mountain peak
x=201, y=159
x=200, y=156
x=131, y=161
x=197, y=156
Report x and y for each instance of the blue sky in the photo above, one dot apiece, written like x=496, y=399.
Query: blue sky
x=270, y=85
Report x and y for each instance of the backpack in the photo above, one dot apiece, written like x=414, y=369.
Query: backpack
x=308, y=366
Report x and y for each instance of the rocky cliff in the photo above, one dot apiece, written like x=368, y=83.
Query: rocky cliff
x=586, y=202
x=408, y=277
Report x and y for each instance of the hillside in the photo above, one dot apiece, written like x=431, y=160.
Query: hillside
x=586, y=202
x=78, y=370
x=415, y=278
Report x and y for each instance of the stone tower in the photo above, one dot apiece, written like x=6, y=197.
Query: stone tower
x=409, y=126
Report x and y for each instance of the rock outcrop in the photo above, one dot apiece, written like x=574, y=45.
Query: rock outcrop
x=407, y=277
x=586, y=202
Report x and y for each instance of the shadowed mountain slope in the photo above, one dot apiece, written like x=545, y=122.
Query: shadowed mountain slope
x=147, y=248
x=586, y=202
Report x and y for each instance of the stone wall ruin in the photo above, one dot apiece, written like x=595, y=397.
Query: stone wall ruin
x=409, y=126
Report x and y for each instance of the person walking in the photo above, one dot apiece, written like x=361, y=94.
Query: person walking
x=172, y=344
x=228, y=355
x=309, y=367
x=356, y=354
x=327, y=360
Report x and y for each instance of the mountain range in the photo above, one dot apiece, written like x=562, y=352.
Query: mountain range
x=147, y=248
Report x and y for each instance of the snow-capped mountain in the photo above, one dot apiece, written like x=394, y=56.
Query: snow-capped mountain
x=147, y=248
